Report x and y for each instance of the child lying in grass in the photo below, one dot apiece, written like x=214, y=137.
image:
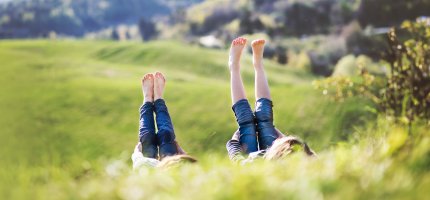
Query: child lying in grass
x=161, y=149
x=269, y=143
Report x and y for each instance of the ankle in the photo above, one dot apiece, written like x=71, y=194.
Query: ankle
x=233, y=64
x=234, y=67
x=148, y=99
x=234, y=72
x=257, y=58
x=258, y=67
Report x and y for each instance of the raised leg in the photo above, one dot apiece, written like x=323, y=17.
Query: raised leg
x=146, y=123
x=165, y=134
x=237, y=88
x=241, y=107
x=262, y=89
x=263, y=108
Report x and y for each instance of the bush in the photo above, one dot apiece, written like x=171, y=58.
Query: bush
x=407, y=92
x=350, y=66
x=300, y=61
x=346, y=66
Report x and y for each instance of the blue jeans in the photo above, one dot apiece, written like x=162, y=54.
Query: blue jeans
x=250, y=124
x=264, y=119
x=246, y=121
x=165, y=137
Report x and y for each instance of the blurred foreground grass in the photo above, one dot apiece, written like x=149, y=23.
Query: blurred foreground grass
x=68, y=124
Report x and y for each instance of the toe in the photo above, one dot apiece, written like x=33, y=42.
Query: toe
x=144, y=78
x=257, y=42
x=243, y=41
x=234, y=42
x=238, y=41
x=161, y=75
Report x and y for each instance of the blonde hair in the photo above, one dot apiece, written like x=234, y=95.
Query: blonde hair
x=286, y=145
x=176, y=160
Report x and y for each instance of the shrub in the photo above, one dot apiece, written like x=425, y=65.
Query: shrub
x=346, y=66
x=408, y=89
x=300, y=61
x=350, y=66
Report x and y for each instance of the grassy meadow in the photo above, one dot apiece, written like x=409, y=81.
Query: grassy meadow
x=69, y=122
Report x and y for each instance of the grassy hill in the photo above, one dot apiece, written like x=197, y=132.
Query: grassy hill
x=69, y=114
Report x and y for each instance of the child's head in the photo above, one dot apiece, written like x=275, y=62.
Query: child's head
x=176, y=160
x=284, y=146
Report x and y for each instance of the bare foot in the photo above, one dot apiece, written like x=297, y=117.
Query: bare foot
x=159, y=84
x=148, y=87
x=236, y=48
x=257, y=52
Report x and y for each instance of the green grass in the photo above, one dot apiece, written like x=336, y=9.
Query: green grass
x=69, y=113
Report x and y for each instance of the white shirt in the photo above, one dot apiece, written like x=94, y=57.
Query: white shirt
x=139, y=160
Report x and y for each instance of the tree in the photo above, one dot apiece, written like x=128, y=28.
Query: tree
x=249, y=23
x=391, y=12
x=115, y=35
x=304, y=19
x=147, y=29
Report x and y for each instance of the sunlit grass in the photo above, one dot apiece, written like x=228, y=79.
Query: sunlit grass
x=69, y=113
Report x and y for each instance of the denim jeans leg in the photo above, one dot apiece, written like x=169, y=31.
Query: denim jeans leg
x=265, y=128
x=246, y=121
x=147, y=130
x=166, y=134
